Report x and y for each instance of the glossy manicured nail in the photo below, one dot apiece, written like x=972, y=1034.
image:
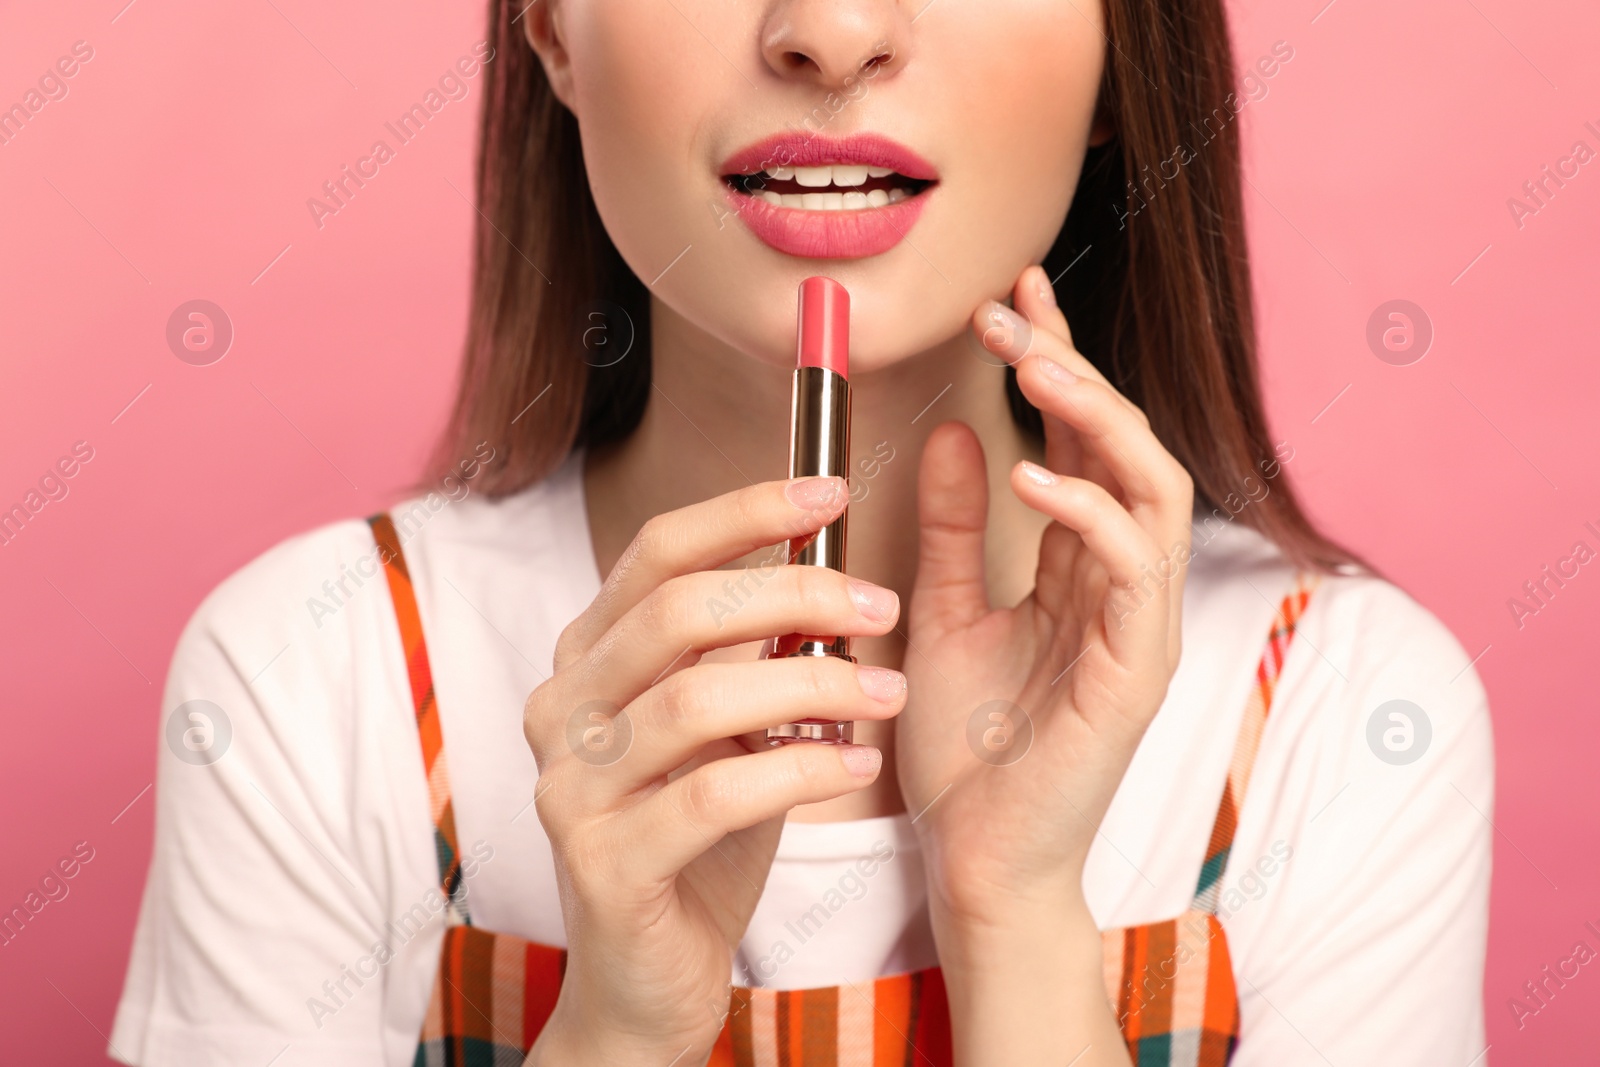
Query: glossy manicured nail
x=811, y=493
x=1037, y=474
x=881, y=684
x=862, y=761
x=873, y=601
x=1056, y=371
x=1002, y=318
x=1047, y=292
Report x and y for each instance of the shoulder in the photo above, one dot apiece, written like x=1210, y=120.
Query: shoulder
x=320, y=597
x=1363, y=845
x=1373, y=705
x=1356, y=632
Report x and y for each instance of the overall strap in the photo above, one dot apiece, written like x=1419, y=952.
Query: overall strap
x=1244, y=750
x=415, y=647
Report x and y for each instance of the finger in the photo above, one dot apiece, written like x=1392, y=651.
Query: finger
x=1015, y=338
x=1158, y=490
x=701, y=537
x=952, y=509
x=1034, y=298
x=694, y=613
x=1016, y=332
x=1141, y=590
x=671, y=722
x=663, y=833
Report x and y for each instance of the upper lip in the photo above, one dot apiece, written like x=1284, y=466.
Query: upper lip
x=815, y=150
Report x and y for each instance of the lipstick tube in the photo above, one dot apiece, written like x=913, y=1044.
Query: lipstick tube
x=819, y=445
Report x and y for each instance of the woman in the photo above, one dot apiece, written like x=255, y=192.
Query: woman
x=1055, y=839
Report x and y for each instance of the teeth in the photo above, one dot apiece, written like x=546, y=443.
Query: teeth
x=878, y=172
x=781, y=174
x=847, y=176
x=813, y=177
x=834, y=201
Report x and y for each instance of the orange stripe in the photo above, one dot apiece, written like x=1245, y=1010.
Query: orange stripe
x=1164, y=974
x=819, y=1027
x=1222, y=996
x=892, y=999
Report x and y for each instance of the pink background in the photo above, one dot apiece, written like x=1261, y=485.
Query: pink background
x=178, y=167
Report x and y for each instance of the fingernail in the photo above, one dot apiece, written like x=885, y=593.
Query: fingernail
x=813, y=492
x=862, y=761
x=1056, y=371
x=1047, y=292
x=1004, y=317
x=1038, y=475
x=873, y=601
x=881, y=684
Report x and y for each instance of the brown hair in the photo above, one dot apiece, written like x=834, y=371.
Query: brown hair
x=1151, y=270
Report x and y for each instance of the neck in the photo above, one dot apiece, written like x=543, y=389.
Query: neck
x=718, y=420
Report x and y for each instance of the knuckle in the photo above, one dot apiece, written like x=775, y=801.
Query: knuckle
x=817, y=591
x=680, y=698
x=821, y=682
x=569, y=645
x=666, y=608
x=533, y=724
x=651, y=540
x=705, y=793
x=813, y=770
x=749, y=507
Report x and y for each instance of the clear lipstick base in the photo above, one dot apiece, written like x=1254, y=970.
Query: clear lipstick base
x=813, y=731
x=816, y=732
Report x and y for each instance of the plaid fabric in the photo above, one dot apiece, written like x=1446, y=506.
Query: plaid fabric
x=1171, y=983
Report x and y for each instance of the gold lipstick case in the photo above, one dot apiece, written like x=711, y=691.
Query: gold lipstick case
x=819, y=446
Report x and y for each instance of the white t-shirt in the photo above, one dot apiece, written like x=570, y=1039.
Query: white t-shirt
x=1355, y=900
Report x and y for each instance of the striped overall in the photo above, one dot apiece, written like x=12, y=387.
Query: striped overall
x=1170, y=983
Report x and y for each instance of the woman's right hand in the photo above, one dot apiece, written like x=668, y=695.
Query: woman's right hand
x=663, y=838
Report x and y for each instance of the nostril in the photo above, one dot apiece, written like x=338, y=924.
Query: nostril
x=798, y=61
x=882, y=57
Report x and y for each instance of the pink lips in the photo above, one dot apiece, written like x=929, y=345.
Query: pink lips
x=849, y=234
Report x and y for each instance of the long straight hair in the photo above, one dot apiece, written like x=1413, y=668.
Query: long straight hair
x=1151, y=267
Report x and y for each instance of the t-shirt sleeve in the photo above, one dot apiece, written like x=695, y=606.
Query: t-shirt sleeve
x=1356, y=896
x=265, y=932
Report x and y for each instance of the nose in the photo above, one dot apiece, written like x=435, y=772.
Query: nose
x=828, y=42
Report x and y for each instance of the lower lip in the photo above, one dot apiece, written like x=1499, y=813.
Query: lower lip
x=829, y=234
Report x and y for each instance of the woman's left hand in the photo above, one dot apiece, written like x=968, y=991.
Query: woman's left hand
x=1022, y=721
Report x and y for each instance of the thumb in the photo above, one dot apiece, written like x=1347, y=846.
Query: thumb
x=952, y=510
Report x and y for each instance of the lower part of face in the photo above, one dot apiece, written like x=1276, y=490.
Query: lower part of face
x=993, y=98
